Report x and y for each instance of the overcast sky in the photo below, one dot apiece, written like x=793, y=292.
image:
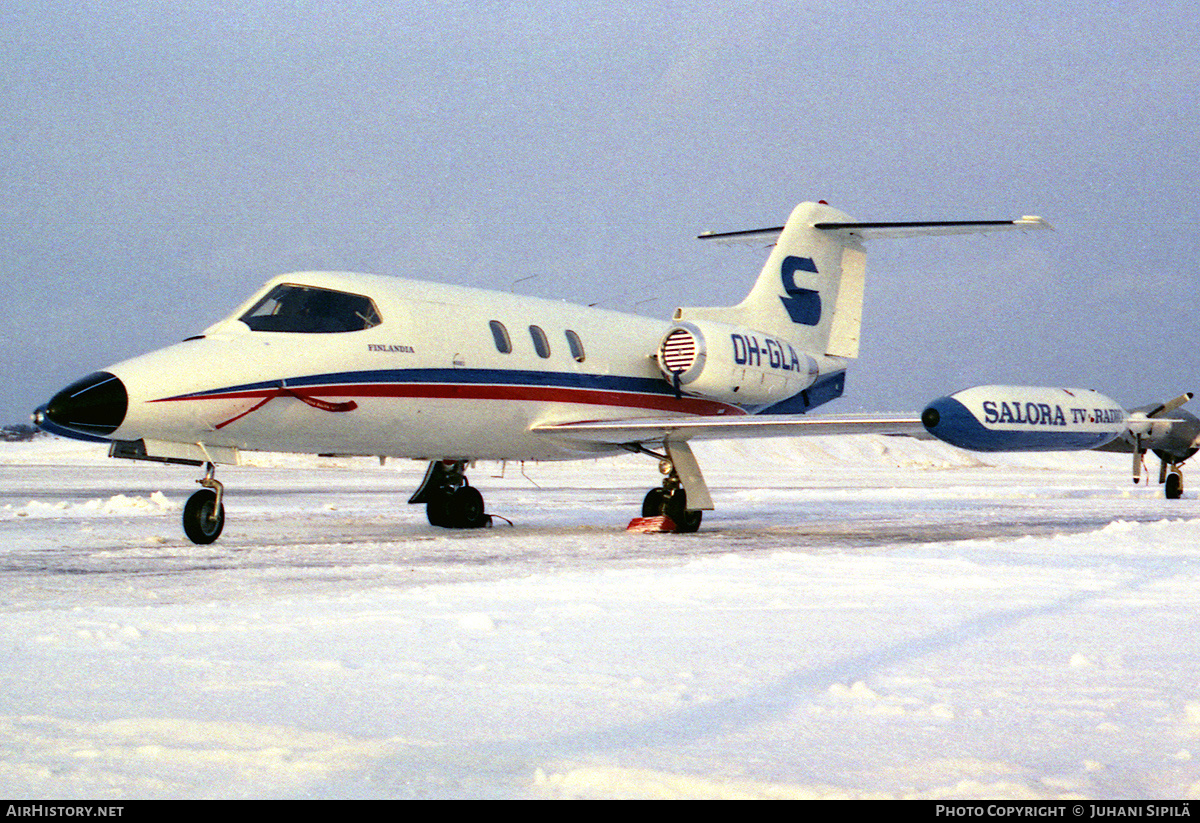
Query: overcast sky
x=163, y=159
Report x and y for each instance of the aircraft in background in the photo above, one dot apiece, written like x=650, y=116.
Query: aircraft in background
x=1034, y=418
x=356, y=364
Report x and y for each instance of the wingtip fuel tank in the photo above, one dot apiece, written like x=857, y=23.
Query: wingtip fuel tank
x=1025, y=418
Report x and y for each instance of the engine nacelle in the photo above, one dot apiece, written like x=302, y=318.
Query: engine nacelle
x=1025, y=418
x=732, y=364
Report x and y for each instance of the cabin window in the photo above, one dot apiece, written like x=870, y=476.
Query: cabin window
x=500, y=335
x=540, y=343
x=309, y=310
x=576, y=346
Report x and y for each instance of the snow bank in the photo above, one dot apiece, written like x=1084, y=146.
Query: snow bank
x=117, y=505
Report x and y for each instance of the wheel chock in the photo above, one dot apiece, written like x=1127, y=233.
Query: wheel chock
x=651, y=525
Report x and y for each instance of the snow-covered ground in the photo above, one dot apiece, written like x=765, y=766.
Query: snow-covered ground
x=861, y=617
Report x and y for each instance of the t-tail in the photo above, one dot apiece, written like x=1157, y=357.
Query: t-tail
x=785, y=347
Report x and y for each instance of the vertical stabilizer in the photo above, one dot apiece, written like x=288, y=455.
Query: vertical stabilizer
x=810, y=290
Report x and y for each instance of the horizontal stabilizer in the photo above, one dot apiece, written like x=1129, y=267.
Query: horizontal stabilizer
x=871, y=231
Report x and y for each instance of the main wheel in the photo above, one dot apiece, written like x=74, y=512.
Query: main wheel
x=652, y=503
x=1174, y=488
x=203, y=519
x=437, y=509
x=466, y=508
x=460, y=508
x=686, y=520
x=675, y=507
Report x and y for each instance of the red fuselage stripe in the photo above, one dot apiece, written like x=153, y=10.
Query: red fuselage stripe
x=475, y=391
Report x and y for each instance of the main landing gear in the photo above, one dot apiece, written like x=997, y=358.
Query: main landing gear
x=665, y=509
x=204, y=512
x=450, y=501
x=670, y=501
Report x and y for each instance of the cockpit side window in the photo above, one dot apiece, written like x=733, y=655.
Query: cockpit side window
x=309, y=310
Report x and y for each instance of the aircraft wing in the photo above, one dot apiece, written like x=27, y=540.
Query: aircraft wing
x=658, y=429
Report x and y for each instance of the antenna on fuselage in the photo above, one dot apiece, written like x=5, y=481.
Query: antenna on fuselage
x=512, y=286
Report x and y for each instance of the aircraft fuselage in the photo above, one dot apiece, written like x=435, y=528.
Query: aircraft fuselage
x=397, y=386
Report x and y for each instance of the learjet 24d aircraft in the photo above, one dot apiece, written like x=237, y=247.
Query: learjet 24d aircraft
x=360, y=364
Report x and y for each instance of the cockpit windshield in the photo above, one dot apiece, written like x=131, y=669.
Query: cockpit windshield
x=309, y=310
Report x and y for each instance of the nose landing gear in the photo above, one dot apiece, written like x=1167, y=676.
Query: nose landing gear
x=204, y=512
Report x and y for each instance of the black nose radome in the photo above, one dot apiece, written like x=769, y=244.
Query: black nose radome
x=95, y=405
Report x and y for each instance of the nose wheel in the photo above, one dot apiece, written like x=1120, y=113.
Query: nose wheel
x=204, y=512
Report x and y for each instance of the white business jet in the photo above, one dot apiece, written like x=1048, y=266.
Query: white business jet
x=359, y=364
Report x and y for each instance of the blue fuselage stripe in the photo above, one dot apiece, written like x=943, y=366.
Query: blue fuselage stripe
x=502, y=377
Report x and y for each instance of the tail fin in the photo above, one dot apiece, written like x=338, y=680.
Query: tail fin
x=810, y=290
x=811, y=279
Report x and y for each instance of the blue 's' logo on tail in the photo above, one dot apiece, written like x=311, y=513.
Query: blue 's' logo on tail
x=802, y=305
